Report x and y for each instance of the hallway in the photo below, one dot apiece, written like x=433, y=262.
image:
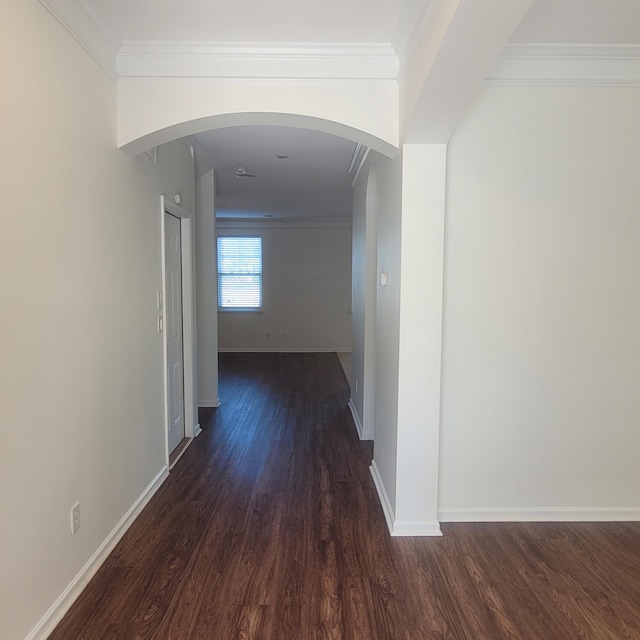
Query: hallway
x=269, y=528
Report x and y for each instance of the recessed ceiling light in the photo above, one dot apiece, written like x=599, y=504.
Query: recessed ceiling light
x=281, y=156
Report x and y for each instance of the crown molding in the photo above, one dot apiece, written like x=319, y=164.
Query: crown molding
x=88, y=30
x=567, y=65
x=159, y=59
x=360, y=154
x=518, y=64
x=267, y=82
x=283, y=223
x=191, y=60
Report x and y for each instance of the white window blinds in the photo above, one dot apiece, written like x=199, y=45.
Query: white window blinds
x=239, y=273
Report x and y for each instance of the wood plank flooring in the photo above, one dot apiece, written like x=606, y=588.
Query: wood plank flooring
x=269, y=529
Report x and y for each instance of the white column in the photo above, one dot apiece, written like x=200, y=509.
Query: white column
x=422, y=243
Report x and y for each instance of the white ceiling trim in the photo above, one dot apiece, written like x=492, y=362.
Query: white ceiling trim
x=530, y=64
x=90, y=32
x=267, y=82
x=256, y=60
x=360, y=154
x=283, y=223
x=568, y=65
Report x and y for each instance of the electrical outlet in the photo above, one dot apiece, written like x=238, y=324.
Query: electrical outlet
x=286, y=335
x=75, y=518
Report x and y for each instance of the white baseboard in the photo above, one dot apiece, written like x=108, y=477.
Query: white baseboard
x=193, y=432
x=387, y=509
x=416, y=529
x=398, y=528
x=551, y=514
x=356, y=419
x=362, y=434
x=208, y=403
x=182, y=451
x=50, y=620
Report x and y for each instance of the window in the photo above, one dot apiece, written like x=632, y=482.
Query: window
x=239, y=273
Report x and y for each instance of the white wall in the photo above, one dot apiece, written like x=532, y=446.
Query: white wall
x=541, y=362
x=81, y=383
x=389, y=176
x=306, y=290
x=420, y=329
x=150, y=113
x=363, y=299
x=207, y=291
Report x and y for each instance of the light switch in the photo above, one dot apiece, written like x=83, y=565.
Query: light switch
x=384, y=279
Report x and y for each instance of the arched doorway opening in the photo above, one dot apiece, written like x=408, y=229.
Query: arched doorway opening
x=206, y=227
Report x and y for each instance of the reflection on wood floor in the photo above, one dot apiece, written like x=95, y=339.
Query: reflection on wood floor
x=269, y=528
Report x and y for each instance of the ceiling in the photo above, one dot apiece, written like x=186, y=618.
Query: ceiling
x=311, y=182
x=314, y=181
x=600, y=22
x=355, y=21
x=313, y=21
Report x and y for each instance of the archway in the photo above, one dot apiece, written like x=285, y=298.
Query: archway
x=177, y=130
x=225, y=121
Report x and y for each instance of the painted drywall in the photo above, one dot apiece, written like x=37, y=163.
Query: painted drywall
x=306, y=290
x=411, y=208
x=174, y=173
x=358, y=293
x=206, y=290
x=150, y=113
x=389, y=177
x=81, y=381
x=419, y=360
x=541, y=360
x=366, y=202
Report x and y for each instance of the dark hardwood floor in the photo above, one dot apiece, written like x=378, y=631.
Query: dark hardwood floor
x=269, y=528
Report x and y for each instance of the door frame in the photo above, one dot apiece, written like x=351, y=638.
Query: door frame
x=191, y=425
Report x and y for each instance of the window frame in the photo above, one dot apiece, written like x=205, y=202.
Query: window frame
x=219, y=275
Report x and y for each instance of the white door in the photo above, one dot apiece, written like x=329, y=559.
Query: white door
x=173, y=329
